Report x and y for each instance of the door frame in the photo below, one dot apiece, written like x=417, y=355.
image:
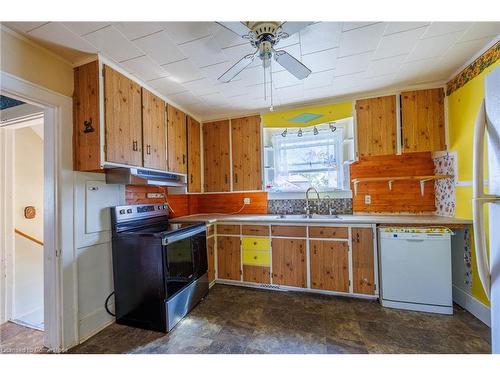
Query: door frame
x=60, y=299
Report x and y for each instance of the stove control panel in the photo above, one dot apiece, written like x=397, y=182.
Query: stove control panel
x=139, y=211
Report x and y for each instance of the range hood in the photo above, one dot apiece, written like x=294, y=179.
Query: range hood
x=137, y=176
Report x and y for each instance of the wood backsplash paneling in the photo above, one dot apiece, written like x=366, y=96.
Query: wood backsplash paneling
x=405, y=195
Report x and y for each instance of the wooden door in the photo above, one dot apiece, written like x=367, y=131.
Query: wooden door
x=376, y=126
x=211, y=258
x=246, y=152
x=329, y=265
x=176, y=140
x=122, y=119
x=228, y=258
x=194, y=155
x=422, y=120
x=289, y=262
x=363, y=275
x=154, y=131
x=216, y=156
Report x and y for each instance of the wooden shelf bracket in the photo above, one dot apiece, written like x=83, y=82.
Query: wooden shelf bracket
x=390, y=180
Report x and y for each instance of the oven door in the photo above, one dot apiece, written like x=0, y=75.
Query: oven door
x=183, y=260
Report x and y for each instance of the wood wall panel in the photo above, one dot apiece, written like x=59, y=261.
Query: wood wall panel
x=230, y=202
x=135, y=194
x=405, y=195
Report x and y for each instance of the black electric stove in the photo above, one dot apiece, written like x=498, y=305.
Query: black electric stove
x=159, y=268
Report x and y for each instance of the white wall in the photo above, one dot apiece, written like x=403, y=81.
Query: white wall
x=28, y=191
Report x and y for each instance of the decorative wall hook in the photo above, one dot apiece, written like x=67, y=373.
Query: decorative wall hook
x=88, y=128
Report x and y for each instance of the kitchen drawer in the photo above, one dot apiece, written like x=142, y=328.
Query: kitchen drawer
x=328, y=232
x=255, y=230
x=256, y=257
x=288, y=231
x=210, y=230
x=255, y=243
x=228, y=229
x=257, y=274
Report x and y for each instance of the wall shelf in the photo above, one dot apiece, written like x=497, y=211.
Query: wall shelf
x=421, y=179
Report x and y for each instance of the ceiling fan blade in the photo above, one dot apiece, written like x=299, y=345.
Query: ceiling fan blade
x=291, y=64
x=236, y=27
x=290, y=28
x=237, y=68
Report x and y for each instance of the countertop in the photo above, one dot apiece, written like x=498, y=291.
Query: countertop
x=342, y=219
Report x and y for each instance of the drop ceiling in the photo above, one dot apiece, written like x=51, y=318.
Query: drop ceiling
x=182, y=60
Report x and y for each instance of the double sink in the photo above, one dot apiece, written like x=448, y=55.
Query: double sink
x=308, y=217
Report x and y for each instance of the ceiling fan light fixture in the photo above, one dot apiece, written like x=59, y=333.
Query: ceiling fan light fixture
x=332, y=127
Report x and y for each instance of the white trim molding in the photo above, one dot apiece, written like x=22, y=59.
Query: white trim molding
x=472, y=305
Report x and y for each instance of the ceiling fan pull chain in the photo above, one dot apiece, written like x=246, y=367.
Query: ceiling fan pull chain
x=271, y=73
x=265, y=91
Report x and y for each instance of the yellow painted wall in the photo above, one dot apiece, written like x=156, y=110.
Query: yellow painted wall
x=35, y=64
x=463, y=106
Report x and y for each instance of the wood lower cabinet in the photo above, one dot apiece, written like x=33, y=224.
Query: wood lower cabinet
x=216, y=156
x=194, y=155
x=154, y=131
x=256, y=274
x=363, y=262
x=122, y=118
x=246, y=152
x=329, y=262
x=289, y=262
x=211, y=258
x=176, y=140
x=228, y=258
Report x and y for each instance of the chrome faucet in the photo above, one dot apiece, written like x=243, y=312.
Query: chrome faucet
x=331, y=211
x=308, y=210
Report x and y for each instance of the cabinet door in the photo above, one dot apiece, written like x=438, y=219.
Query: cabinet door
x=246, y=152
x=211, y=258
x=154, y=131
x=422, y=120
x=194, y=155
x=122, y=118
x=289, y=262
x=176, y=140
x=362, y=261
x=216, y=156
x=376, y=126
x=329, y=265
x=228, y=258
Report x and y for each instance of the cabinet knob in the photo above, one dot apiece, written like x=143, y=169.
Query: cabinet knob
x=87, y=126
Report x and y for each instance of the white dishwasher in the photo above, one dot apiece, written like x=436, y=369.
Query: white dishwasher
x=415, y=269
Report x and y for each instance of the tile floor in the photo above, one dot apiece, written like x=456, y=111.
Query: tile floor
x=243, y=320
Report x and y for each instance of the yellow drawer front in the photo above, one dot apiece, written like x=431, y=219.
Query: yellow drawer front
x=256, y=258
x=254, y=243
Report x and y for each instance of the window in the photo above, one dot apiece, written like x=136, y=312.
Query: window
x=293, y=163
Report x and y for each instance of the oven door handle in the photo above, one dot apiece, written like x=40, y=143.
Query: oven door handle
x=181, y=236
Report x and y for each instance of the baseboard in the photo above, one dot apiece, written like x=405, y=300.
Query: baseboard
x=93, y=323
x=472, y=305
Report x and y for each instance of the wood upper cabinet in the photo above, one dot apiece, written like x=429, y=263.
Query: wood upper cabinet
x=194, y=155
x=228, y=258
x=329, y=265
x=422, y=120
x=376, y=126
x=246, y=152
x=154, y=131
x=216, y=156
x=122, y=118
x=176, y=140
x=363, y=261
x=289, y=262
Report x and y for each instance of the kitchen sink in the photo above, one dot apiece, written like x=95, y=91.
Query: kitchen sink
x=308, y=217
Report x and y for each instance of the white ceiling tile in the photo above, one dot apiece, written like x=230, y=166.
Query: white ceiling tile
x=226, y=38
x=361, y=40
x=320, y=36
x=167, y=86
x=441, y=28
x=253, y=75
x=23, y=27
x=203, y=52
x=182, y=32
x=384, y=66
x=433, y=47
x=236, y=53
x=215, y=99
x=201, y=86
x=112, y=43
x=229, y=89
x=292, y=39
x=346, y=81
x=379, y=82
x=346, y=26
x=411, y=70
x=481, y=30
x=290, y=92
x=82, y=28
x=56, y=33
x=319, y=61
x=285, y=78
x=182, y=71
x=213, y=72
x=160, y=48
x=353, y=64
x=398, y=43
x=319, y=79
x=397, y=27
x=134, y=30
x=185, y=99
x=144, y=68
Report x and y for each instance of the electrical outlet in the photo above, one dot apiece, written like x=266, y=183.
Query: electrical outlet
x=246, y=200
x=368, y=199
x=155, y=195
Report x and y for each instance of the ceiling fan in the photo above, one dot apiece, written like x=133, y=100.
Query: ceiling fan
x=264, y=36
